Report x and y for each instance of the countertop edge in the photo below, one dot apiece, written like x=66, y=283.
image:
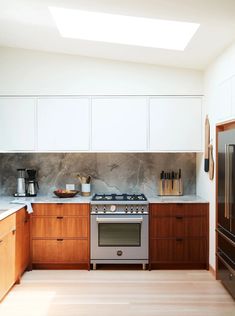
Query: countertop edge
x=5, y=202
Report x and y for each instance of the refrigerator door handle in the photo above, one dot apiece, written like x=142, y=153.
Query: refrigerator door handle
x=228, y=180
x=226, y=191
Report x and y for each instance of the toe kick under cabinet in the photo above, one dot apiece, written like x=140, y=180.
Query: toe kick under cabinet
x=60, y=236
x=179, y=236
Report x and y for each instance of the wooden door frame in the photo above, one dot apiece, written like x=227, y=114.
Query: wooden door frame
x=223, y=126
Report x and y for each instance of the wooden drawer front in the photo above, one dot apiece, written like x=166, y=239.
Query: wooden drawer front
x=7, y=224
x=59, y=226
x=178, y=226
x=168, y=250
x=50, y=209
x=197, y=250
x=196, y=226
x=166, y=210
x=60, y=251
x=179, y=250
x=167, y=227
x=178, y=209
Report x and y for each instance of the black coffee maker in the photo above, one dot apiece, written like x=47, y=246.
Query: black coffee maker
x=32, y=183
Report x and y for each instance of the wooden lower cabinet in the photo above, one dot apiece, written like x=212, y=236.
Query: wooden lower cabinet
x=60, y=251
x=7, y=254
x=22, y=243
x=179, y=236
x=60, y=236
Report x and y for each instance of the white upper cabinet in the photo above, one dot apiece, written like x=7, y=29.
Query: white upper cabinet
x=63, y=124
x=175, y=124
x=17, y=124
x=119, y=124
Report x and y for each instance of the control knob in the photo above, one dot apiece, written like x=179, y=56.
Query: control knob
x=113, y=208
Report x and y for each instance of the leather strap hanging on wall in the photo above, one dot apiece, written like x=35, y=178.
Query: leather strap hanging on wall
x=211, y=162
x=207, y=142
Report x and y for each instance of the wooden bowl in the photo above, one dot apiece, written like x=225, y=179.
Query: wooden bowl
x=68, y=194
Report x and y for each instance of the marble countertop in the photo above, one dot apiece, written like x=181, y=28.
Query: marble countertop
x=176, y=199
x=8, y=207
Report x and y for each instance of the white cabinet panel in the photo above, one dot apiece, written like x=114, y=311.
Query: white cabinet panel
x=63, y=124
x=17, y=124
x=119, y=124
x=175, y=124
x=223, y=106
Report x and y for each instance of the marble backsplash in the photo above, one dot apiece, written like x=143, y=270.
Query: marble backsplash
x=110, y=172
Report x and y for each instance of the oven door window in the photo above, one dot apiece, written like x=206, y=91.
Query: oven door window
x=119, y=234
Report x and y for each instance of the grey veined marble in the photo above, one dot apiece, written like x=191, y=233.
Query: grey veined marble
x=110, y=172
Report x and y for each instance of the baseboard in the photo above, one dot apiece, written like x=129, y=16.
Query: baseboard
x=212, y=271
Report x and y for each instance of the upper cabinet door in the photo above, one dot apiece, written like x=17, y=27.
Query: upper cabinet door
x=119, y=124
x=176, y=124
x=17, y=124
x=63, y=124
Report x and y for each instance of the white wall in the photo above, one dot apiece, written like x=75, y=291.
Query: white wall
x=26, y=72
x=220, y=71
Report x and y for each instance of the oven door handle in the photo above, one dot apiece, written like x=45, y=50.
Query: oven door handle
x=119, y=220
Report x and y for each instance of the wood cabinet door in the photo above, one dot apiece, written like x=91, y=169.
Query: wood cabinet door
x=7, y=262
x=59, y=226
x=60, y=251
x=179, y=235
x=26, y=243
x=22, y=242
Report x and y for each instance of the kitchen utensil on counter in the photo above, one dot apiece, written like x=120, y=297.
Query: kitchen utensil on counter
x=32, y=185
x=85, y=184
x=170, y=183
x=66, y=193
x=21, y=187
x=86, y=189
x=207, y=142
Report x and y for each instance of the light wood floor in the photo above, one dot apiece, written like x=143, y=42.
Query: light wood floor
x=118, y=293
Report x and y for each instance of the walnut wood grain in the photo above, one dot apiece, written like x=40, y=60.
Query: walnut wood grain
x=179, y=235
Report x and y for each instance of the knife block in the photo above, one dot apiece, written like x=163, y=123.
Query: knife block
x=165, y=187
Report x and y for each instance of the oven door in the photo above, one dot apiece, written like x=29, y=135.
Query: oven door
x=119, y=237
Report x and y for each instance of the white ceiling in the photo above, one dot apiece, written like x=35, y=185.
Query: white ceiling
x=28, y=24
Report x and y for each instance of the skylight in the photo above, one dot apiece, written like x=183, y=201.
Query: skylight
x=121, y=29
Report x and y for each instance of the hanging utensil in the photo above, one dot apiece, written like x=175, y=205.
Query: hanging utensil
x=207, y=142
x=211, y=162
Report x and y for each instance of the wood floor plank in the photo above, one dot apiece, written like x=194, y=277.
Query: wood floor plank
x=118, y=293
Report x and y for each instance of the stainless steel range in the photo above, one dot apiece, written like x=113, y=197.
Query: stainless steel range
x=119, y=229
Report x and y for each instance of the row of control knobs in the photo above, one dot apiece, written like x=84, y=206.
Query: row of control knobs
x=113, y=208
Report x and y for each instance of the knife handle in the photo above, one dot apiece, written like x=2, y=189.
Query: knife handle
x=206, y=165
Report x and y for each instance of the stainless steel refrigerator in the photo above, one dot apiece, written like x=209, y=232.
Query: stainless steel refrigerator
x=226, y=210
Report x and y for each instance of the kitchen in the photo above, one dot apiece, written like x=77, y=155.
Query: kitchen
x=133, y=120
